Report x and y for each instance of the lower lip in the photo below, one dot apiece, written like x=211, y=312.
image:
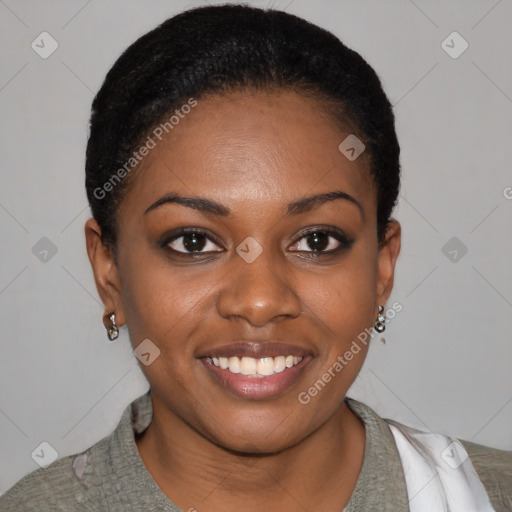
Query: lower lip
x=257, y=388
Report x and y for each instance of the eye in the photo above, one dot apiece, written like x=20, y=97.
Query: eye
x=322, y=241
x=192, y=241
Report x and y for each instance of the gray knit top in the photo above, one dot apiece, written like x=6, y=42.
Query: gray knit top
x=110, y=475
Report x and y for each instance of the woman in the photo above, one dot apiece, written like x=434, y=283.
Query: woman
x=242, y=169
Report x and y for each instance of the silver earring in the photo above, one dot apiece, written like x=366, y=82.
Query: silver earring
x=112, y=331
x=379, y=324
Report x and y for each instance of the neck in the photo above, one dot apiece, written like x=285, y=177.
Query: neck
x=318, y=473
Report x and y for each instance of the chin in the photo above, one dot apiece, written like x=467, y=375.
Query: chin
x=265, y=435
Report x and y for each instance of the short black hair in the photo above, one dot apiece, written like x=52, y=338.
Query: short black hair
x=217, y=49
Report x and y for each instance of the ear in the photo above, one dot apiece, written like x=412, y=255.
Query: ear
x=388, y=254
x=106, y=273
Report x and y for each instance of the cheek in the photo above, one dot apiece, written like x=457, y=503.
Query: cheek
x=163, y=305
x=158, y=298
x=344, y=297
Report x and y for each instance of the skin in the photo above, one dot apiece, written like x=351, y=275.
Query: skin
x=254, y=153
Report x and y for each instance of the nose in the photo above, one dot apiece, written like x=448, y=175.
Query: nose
x=258, y=292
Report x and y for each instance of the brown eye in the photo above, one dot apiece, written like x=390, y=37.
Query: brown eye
x=191, y=241
x=194, y=242
x=317, y=241
x=320, y=241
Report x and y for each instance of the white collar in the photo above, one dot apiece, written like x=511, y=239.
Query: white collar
x=439, y=475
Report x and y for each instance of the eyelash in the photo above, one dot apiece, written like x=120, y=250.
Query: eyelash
x=344, y=241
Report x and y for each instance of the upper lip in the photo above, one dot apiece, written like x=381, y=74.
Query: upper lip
x=256, y=349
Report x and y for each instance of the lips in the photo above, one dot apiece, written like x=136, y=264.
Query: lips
x=256, y=370
x=256, y=349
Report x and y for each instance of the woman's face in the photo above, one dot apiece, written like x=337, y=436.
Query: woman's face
x=279, y=258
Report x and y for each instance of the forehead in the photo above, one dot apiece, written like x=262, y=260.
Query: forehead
x=243, y=148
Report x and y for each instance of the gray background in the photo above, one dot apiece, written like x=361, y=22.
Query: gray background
x=446, y=364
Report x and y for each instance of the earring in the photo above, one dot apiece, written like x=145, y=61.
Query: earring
x=113, y=331
x=379, y=324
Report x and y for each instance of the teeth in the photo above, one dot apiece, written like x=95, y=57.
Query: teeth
x=247, y=366
x=255, y=367
x=265, y=366
x=279, y=364
x=234, y=365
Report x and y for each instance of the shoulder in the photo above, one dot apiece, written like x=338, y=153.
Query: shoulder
x=52, y=488
x=90, y=480
x=494, y=468
x=62, y=486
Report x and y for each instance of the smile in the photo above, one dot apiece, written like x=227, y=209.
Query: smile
x=252, y=367
x=253, y=378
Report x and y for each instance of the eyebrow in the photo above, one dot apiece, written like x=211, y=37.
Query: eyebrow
x=197, y=203
x=307, y=204
x=302, y=205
